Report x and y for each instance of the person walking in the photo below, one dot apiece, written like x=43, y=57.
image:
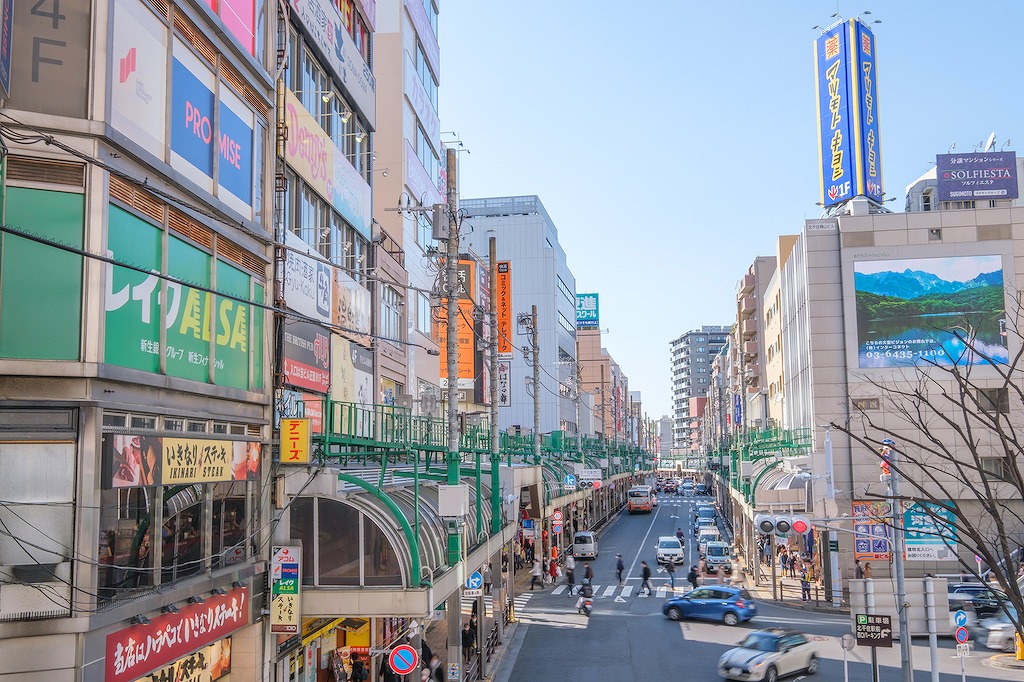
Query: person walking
x=467, y=643
x=670, y=568
x=645, y=574
x=535, y=575
x=805, y=583
x=867, y=569
x=553, y=570
x=858, y=570
x=570, y=573
x=692, y=576
x=487, y=579
x=436, y=671
x=588, y=572
x=619, y=568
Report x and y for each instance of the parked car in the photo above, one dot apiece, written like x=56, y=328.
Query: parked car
x=670, y=549
x=701, y=489
x=730, y=605
x=768, y=655
x=702, y=523
x=987, y=600
x=997, y=632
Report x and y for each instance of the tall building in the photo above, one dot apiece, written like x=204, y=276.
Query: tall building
x=691, y=355
x=746, y=382
x=527, y=238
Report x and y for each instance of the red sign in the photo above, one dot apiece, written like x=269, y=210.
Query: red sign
x=403, y=659
x=597, y=484
x=135, y=651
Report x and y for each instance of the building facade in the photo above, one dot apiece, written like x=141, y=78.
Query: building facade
x=691, y=356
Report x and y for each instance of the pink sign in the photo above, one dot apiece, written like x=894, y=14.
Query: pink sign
x=134, y=651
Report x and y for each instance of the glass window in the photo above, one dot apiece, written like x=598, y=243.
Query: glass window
x=425, y=153
x=230, y=525
x=423, y=314
x=424, y=231
x=259, y=139
x=381, y=563
x=125, y=542
x=300, y=527
x=431, y=14
x=565, y=291
x=425, y=76
x=338, y=533
x=391, y=313
x=183, y=532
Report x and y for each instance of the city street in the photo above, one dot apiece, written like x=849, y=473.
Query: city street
x=627, y=637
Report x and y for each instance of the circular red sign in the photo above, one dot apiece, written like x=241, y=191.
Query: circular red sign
x=961, y=635
x=597, y=484
x=403, y=659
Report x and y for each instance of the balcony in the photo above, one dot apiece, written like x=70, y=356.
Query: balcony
x=748, y=306
x=748, y=327
x=746, y=285
x=750, y=349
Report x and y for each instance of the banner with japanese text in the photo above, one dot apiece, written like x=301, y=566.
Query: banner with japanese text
x=139, y=461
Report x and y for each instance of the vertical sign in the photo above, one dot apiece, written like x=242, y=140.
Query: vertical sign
x=295, y=441
x=504, y=308
x=864, y=79
x=835, y=151
x=504, y=384
x=284, y=590
x=586, y=311
x=6, y=26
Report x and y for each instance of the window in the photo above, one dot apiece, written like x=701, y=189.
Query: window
x=993, y=400
x=423, y=314
x=229, y=524
x=566, y=324
x=425, y=76
x=424, y=231
x=391, y=313
x=565, y=292
x=125, y=543
x=174, y=424
x=183, y=532
x=431, y=14
x=993, y=468
x=425, y=153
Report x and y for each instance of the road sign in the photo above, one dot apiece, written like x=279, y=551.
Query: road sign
x=873, y=630
x=961, y=635
x=960, y=618
x=590, y=474
x=848, y=642
x=963, y=650
x=556, y=516
x=474, y=581
x=556, y=528
x=403, y=659
x=569, y=480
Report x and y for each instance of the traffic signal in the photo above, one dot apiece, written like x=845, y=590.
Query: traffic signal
x=782, y=524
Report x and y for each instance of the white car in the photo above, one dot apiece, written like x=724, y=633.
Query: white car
x=669, y=549
x=998, y=632
x=768, y=655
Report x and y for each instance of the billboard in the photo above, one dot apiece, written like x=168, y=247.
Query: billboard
x=306, y=356
x=192, y=115
x=234, y=144
x=504, y=309
x=352, y=307
x=308, y=286
x=587, y=311
x=929, y=532
x=986, y=175
x=465, y=288
x=917, y=311
x=141, y=461
x=138, y=83
x=6, y=28
x=849, y=147
x=871, y=530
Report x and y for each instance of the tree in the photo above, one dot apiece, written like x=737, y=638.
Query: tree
x=955, y=425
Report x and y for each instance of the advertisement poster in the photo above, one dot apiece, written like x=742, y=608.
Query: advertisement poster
x=296, y=404
x=136, y=461
x=295, y=441
x=138, y=87
x=871, y=529
x=352, y=304
x=308, y=287
x=983, y=175
x=917, y=310
x=285, y=616
x=587, y=311
x=504, y=306
x=234, y=144
x=929, y=532
x=865, y=90
x=209, y=664
x=307, y=356
x=835, y=132
x=192, y=116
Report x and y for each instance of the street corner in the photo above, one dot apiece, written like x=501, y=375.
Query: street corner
x=1008, y=661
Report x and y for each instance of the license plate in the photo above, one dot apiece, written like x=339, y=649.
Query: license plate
x=735, y=671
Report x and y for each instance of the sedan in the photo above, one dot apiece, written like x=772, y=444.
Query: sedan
x=768, y=655
x=998, y=631
x=724, y=603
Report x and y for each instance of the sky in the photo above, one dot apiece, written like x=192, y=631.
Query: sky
x=672, y=142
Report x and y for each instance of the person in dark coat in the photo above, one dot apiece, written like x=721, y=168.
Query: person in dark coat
x=645, y=574
x=467, y=642
x=692, y=576
x=619, y=568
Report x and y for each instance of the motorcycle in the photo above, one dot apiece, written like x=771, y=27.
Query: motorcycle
x=585, y=604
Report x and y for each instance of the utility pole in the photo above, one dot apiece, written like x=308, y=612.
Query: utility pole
x=896, y=507
x=536, y=388
x=497, y=590
x=604, y=408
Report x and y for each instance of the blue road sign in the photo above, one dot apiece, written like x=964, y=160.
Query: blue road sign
x=960, y=618
x=475, y=581
x=570, y=479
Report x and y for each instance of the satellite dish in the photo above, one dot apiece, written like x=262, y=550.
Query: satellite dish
x=990, y=143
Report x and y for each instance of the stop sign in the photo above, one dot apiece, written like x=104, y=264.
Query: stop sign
x=597, y=484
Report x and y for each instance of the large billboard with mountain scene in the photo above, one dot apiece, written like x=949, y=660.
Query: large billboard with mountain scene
x=920, y=310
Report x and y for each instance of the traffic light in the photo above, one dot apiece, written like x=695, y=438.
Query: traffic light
x=782, y=524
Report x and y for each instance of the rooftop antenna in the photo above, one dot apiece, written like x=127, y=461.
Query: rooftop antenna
x=1005, y=146
x=951, y=148
x=990, y=143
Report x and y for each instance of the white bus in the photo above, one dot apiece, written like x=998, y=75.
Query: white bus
x=641, y=499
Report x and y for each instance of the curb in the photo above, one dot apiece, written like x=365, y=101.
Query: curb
x=1006, y=661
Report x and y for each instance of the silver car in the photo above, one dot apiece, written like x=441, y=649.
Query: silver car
x=998, y=631
x=768, y=655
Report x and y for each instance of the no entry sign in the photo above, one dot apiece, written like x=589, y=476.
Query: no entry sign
x=403, y=659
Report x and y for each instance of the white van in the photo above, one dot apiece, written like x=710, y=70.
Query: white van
x=718, y=554
x=584, y=545
x=706, y=535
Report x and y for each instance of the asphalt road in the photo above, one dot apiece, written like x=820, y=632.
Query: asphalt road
x=627, y=638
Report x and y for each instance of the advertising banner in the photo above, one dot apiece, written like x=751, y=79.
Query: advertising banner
x=587, y=311
x=918, y=310
x=314, y=156
x=295, y=441
x=421, y=185
x=308, y=288
x=865, y=90
x=192, y=133
x=295, y=404
x=138, y=85
x=240, y=18
x=285, y=572
x=352, y=308
x=431, y=50
x=206, y=665
x=929, y=532
x=324, y=25
x=6, y=28
x=504, y=309
x=987, y=175
x=307, y=356
x=138, y=461
x=421, y=104
x=465, y=344
x=234, y=144
x=835, y=133
x=140, y=649
x=871, y=540
x=504, y=384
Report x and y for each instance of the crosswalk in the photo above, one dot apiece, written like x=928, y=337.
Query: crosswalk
x=605, y=591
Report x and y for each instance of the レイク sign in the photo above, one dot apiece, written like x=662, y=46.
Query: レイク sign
x=134, y=651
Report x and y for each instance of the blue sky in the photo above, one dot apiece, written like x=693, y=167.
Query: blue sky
x=672, y=142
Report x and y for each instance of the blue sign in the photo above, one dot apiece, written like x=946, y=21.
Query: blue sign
x=960, y=618
x=234, y=144
x=586, y=311
x=835, y=135
x=961, y=635
x=528, y=524
x=6, y=40
x=570, y=480
x=987, y=175
x=474, y=581
x=192, y=131
x=865, y=91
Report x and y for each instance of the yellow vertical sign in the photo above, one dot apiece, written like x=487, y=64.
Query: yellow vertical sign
x=294, y=441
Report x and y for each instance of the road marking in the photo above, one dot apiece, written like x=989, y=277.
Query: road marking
x=661, y=592
x=620, y=600
x=627, y=590
x=609, y=591
x=558, y=590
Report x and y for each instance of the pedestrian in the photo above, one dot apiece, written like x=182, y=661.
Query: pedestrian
x=358, y=671
x=535, y=575
x=588, y=572
x=426, y=653
x=504, y=562
x=619, y=568
x=670, y=567
x=385, y=673
x=645, y=574
x=487, y=579
x=435, y=669
x=858, y=570
x=867, y=569
x=467, y=643
x=553, y=570
x=425, y=675
x=474, y=627
x=570, y=573
x=721, y=574
x=702, y=567
x=805, y=583
x=692, y=576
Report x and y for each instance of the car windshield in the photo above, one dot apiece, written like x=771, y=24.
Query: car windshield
x=761, y=641
x=668, y=544
x=717, y=551
x=583, y=540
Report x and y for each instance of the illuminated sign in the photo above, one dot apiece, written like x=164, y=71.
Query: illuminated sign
x=504, y=308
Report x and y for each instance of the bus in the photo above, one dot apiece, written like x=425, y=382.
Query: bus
x=641, y=499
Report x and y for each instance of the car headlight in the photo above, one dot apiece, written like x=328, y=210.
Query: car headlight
x=758, y=665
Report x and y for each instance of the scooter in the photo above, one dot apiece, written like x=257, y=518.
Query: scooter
x=585, y=604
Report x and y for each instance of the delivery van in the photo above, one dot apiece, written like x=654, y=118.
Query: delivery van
x=584, y=545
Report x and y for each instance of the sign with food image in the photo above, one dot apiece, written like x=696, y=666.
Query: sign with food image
x=136, y=461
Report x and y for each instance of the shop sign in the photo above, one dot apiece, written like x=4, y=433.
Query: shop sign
x=307, y=356
x=307, y=281
x=135, y=651
x=352, y=307
x=284, y=590
x=209, y=664
x=294, y=441
x=136, y=461
x=138, y=93
x=504, y=308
